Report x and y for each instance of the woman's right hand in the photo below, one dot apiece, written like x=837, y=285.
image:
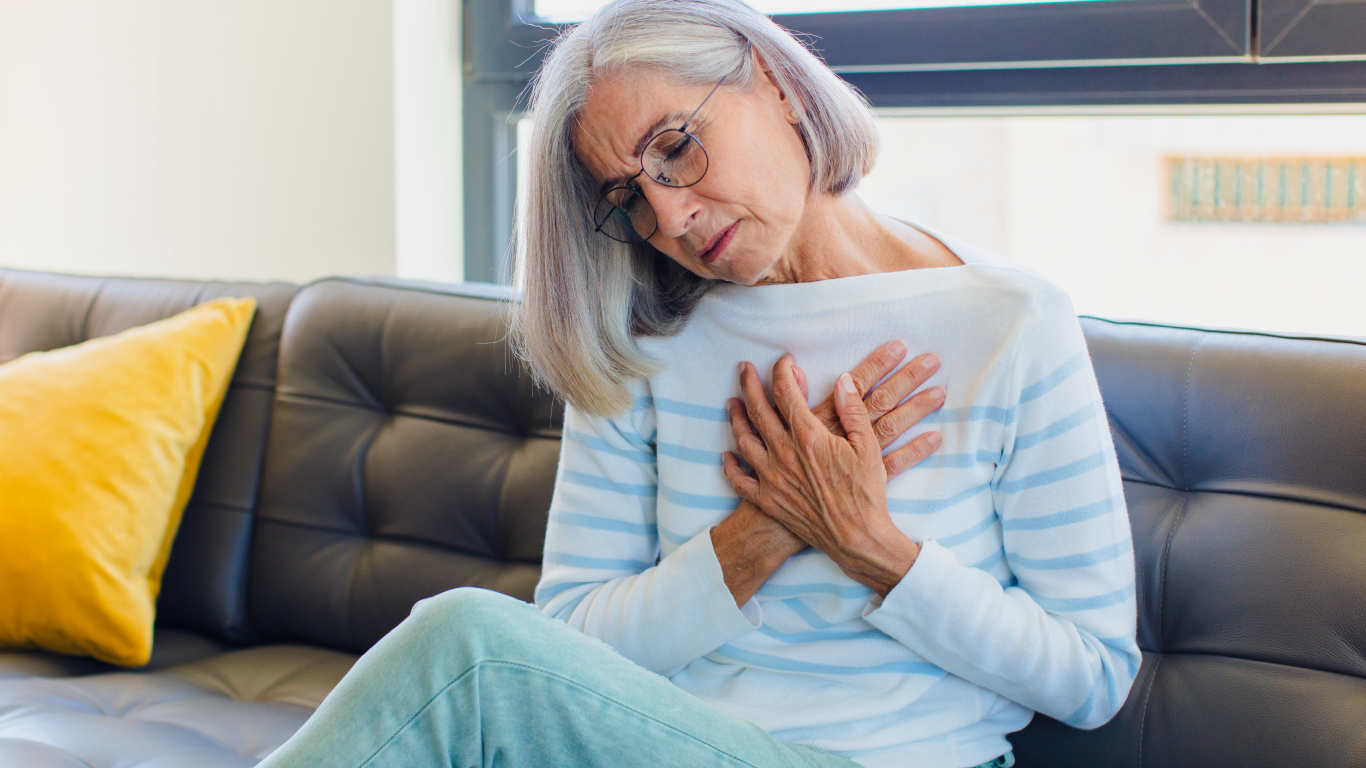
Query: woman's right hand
x=891, y=417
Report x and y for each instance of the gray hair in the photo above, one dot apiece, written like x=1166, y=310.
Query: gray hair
x=588, y=298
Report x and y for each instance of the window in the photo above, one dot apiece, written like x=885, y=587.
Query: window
x=1160, y=97
x=1246, y=221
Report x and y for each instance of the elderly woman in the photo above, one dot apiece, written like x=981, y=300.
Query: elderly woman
x=739, y=581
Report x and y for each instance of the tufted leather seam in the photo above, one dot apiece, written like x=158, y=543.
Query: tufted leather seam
x=382, y=397
x=1185, y=413
x=287, y=395
x=1162, y=576
x=1318, y=502
x=84, y=333
x=353, y=571
x=368, y=537
x=1269, y=662
x=1143, y=721
x=1116, y=426
x=1185, y=488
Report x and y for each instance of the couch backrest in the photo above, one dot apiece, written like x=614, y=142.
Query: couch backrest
x=204, y=588
x=407, y=455
x=1244, y=462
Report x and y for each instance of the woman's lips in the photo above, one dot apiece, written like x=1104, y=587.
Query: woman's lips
x=723, y=240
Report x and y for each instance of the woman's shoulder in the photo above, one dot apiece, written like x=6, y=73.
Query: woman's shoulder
x=998, y=271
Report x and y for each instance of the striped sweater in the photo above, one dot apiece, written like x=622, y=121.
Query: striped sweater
x=1022, y=598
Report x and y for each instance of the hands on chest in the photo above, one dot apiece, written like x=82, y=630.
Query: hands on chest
x=817, y=475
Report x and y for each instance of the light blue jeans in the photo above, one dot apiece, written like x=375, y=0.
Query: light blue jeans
x=474, y=678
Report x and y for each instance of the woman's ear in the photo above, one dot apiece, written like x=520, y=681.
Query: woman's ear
x=768, y=85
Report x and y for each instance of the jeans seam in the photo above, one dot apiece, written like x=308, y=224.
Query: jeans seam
x=491, y=662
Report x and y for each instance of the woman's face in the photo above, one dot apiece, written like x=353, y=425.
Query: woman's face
x=738, y=222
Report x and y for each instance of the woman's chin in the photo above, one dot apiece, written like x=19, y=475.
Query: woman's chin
x=735, y=268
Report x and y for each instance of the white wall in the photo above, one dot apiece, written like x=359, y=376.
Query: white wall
x=427, y=78
x=248, y=139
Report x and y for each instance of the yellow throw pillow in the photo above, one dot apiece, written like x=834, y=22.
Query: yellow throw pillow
x=100, y=444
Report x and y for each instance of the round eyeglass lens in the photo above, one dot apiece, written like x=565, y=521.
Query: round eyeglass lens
x=624, y=214
x=675, y=158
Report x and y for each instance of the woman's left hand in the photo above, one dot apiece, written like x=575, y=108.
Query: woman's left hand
x=830, y=491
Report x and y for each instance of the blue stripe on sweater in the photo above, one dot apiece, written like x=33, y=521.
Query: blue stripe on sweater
x=603, y=484
x=958, y=460
x=811, y=637
x=1085, y=603
x=850, y=591
x=1065, y=517
x=1077, y=717
x=766, y=661
x=968, y=534
x=1052, y=380
x=1083, y=560
x=989, y=560
x=1055, y=475
x=805, y=613
x=594, y=443
x=580, y=520
x=677, y=539
x=600, y=563
x=692, y=411
x=698, y=500
x=1066, y=423
x=930, y=506
x=549, y=593
x=690, y=455
x=971, y=413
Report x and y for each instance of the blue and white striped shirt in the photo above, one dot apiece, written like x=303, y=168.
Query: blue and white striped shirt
x=1022, y=598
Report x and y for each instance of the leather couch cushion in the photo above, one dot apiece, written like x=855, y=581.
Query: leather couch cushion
x=204, y=587
x=170, y=647
x=227, y=710
x=1244, y=464
x=407, y=455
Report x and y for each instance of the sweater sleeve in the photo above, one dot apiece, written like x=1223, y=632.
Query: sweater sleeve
x=602, y=570
x=1058, y=637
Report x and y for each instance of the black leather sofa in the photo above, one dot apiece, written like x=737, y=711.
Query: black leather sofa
x=378, y=445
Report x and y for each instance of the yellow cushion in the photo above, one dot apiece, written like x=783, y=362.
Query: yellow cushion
x=100, y=444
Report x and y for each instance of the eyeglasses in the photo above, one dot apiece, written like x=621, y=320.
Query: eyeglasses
x=672, y=157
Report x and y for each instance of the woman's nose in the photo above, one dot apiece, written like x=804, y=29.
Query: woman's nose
x=675, y=207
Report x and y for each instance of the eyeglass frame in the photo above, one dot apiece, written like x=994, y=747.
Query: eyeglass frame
x=683, y=129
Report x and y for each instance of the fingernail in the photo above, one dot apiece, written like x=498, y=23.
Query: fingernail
x=740, y=368
x=847, y=383
x=936, y=392
x=933, y=439
x=930, y=360
x=898, y=347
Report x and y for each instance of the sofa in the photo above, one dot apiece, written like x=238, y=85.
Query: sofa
x=379, y=444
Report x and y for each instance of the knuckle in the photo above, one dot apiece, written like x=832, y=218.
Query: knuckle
x=753, y=411
x=784, y=388
x=881, y=400
x=886, y=427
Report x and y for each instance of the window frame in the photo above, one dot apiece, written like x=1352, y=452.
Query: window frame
x=1180, y=53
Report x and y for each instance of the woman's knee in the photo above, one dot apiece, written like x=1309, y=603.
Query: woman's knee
x=474, y=614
